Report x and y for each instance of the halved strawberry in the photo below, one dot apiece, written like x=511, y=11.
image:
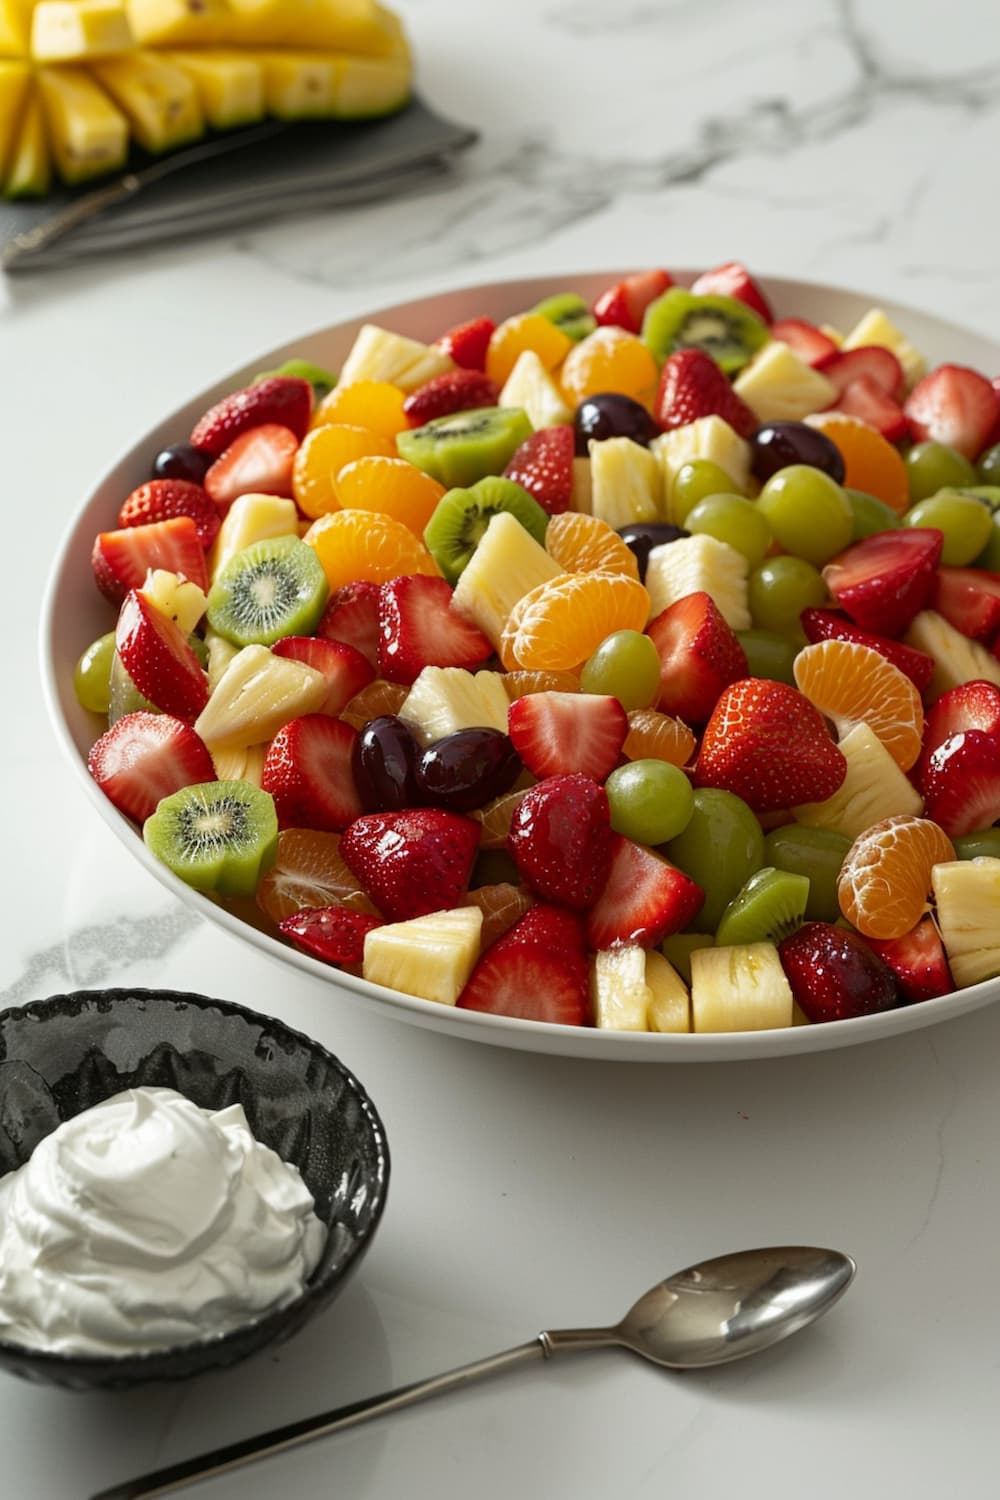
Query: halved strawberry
x=644, y=900
x=863, y=398
x=830, y=625
x=699, y=656
x=560, y=837
x=121, y=559
x=543, y=465
x=307, y=770
x=412, y=862
x=970, y=705
x=336, y=934
x=834, y=975
x=286, y=400
x=455, y=390
x=163, y=499
x=343, y=666
x=766, y=743
x=961, y=783
x=420, y=627
x=969, y=599
x=869, y=361
x=956, y=406
x=351, y=615
x=693, y=386
x=258, y=462
x=537, y=971
x=144, y=757
x=918, y=961
x=734, y=280
x=156, y=655
x=558, y=733
x=467, y=343
x=623, y=305
x=810, y=343
x=885, y=579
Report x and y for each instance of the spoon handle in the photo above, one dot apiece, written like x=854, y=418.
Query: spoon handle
x=280, y=1439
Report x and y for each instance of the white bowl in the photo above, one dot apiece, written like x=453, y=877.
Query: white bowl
x=74, y=613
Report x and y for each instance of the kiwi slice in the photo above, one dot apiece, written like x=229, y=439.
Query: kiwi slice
x=216, y=835
x=272, y=588
x=466, y=446
x=726, y=329
x=767, y=908
x=461, y=517
x=322, y=381
x=569, y=313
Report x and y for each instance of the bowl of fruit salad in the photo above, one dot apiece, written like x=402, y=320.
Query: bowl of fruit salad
x=606, y=665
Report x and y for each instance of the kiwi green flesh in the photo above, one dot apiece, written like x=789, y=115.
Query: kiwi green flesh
x=458, y=450
x=461, y=517
x=569, y=313
x=768, y=908
x=723, y=327
x=322, y=381
x=268, y=590
x=215, y=835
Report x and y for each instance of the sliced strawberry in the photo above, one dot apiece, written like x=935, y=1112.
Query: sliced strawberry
x=163, y=499
x=258, y=462
x=420, y=627
x=693, y=386
x=871, y=362
x=961, y=783
x=645, y=899
x=412, y=862
x=455, y=390
x=969, y=599
x=537, y=971
x=830, y=625
x=834, y=975
x=343, y=666
x=285, y=400
x=918, y=961
x=970, y=705
x=956, y=406
x=734, y=280
x=543, y=465
x=307, y=770
x=884, y=580
x=624, y=304
x=862, y=398
x=467, y=343
x=699, y=656
x=560, y=837
x=121, y=559
x=768, y=744
x=351, y=615
x=810, y=343
x=556, y=734
x=336, y=934
x=156, y=655
x=144, y=757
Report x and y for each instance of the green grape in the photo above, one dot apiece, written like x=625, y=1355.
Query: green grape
x=651, y=801
x=808, y=512
x=692, y=482
x=815, y=852
x=679, y=946
x=768, y=655
x=627, y=666
x=932, y=466
x=870, y=514
x=988, y=467
x=92, y=674
x=722, y=845
x=780, y=589
x=985, y=843
x=732, y=519
x=965, y=521
x=989, y=494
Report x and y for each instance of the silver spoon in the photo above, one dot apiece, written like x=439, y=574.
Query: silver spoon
x=720, y=1310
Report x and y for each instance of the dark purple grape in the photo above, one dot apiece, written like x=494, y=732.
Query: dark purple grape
x=643, y=536
x=385, y=765
x=467, y=768
x=778, y=444
x=182, y=461
x=612, y=415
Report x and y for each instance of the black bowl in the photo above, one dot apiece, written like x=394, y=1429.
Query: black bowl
x=62, y=1055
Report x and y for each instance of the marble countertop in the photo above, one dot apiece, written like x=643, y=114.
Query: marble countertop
x=836, y=141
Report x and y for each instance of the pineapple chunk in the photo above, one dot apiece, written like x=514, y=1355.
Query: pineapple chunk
x=778, y=386
x=670, y=1003
x=507, y=564
x=14, y=79
x=299, y=85
x=378, y=354
x=619, y=994
x=873, y=788
x=15, y=27
x=530, y=386
x=957, y=659
x=967, y=896
x=625, y=481
x=177, y=597
x=88, y=134
x=70, y=30
x=742, y=988
x=876, y=327
x=699, y=564
x=709, y=438
x=230, y=85
x=257, y=694
x=368, y=86
x=245, y=764
x=431, y=957
x=251, y=518
x=29, y=170
x=443, y=700
x=220, y=654
x=161, y=101
x=179, y=22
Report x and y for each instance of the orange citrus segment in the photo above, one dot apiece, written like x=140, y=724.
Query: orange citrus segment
x=321, y=456
x=364, y=403
x=496, y=818
x=609, y=359
x=521, y=684
x=525, y=331
x=586, y=544
x=356, y=545
x=309, y=871
x=558, y=624
x=390, y=485
x=373, y=701
x=886, y=874
x=852, y=684
x=656, y=736
x=871, y=463
x=501, y=906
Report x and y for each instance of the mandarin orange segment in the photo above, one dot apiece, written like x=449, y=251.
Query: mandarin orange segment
x=521, y=684
x=364, y=403
x=525, y=331
x=496, y=818
x=501, y=906
x=655, y=736
x=609, y=359
x=587, y=544
x=309, y=871
x=321, y=456
x=871, y=463
x=390, y=485
x=852, y=684
x=886, y=875
x=364, y=545
x=559, y=624
x=374, y=700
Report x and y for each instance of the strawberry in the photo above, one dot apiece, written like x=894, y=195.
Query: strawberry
x=412, y=862
x=699, y=656
x=830, y=625
x=343, y=666
x=144, y=757
x=956, y=406
x=918, y=961
x=834, y=975
x=768, y=744
x=884, y=580
x=971, y=705
x=810, y=343
x=960, y=781
x=336, y=934
x=351, y=615
x=536, y=971
x=560, y=837
x=257, y=462
x=121, y=559
x=543, y=465
x=467, y=343
x=307, y=770
x=455, y=390
x=734, y=280
x=285, y=400
x=865, y=399
x=156, y=655
x=969, y=599
x=420, y=627
x=645, y=898
x=163, y=499
x=556, y=734
x=868, y=362
x=693, y=386
x=624, y=304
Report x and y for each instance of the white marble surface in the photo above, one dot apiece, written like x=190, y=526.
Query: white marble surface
x=848, y=142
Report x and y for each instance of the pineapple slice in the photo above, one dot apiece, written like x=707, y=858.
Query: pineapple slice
x=257, y=694
x=378, y=354
x=443, y=700
x=299, y=85
x=967, y=896
x=371, y=85
x=14, y=79
x=431, y=957
x=250, y=518
x=71, y=30
x=88, y=134
x=160, y=101
x=177, y=597
x=709, y=438
x=742, y=988
x=245, y=764
x=695, y=564
x=15, y=27
x=230, y=85
x=957, y=659
x=157, y=23
x=626, y=482
x=670, y=1003
x=778, y=386
x=530, y=386
x=619, y=994
x=220, y=654
x=29, y=171
x=507, y=564
x=873, y=788
x=876, y=327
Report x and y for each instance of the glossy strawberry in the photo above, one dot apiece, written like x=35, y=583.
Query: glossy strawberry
x=884, y=580
x=768, y=744
x=412, y=862
x=918, y=961
x=869, y=362
x=146, y=756
x=163, y=499
x=351, y=615
x=831, y=625
x=969, y=599
x=283, y=399
x=455, y=390
x=543, y=465
x=810, y=343
x=467, y=343
x=343, y=666
x=623, y=305
x=537, y=971
x=960, y=781
x=692, y=386
x=956, y=406
x=699, y=656
x=864, y=399
x=560, y=837
x=834, y=975
x=121, y=559
x=734, y=280
x=156, y=655
x=335, y=934
x=644, y=899
x=556, y=734
x=307, y=770
x=970, y=705
x=258, y=462
x=419, y=627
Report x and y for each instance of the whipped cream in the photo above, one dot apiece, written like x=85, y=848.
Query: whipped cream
x=148, y=1221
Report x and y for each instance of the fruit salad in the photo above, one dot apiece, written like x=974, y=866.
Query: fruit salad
x=631, y=664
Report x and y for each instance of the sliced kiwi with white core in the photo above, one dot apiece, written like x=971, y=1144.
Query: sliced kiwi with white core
x=466, y=446
x=216, y=835
x=723, y=327
x=270, y=589
x=767, y=908
x=568, y=312
x=461, y=517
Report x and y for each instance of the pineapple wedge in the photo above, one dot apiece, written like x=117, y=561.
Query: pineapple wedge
x=14, y=81
x=29, y=170
x=160, y=101
x=742, y=988
x=257, y=694
x=699, y=564
x=15, y=27
x=530, y=386
x=778, y=386
x=230, y=85
x=431, y=957
x=378, y=354
x=957, y=659
x=626, y=483
x=709, y=438
x=179, y=598
x=507, y=564
x=876, y=327
x=967, y=897
x=873, y=788
x=246, y=764
x=171, y=23
x=73, y=30
x=299, y=85
x=250, y=518
x=87, y=133
x=619, y=994
x=220, y=654
x=443, y=700
x=367, y=86
x=670, y=1002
